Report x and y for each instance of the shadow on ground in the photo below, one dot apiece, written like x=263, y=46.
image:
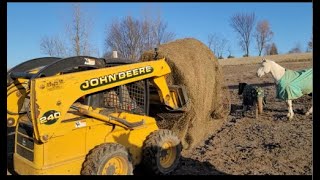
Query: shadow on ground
x=187, y=166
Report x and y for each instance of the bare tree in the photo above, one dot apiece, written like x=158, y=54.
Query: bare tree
x=148, y=37
x=229, y=51
x=262, y=35
x=243, y=23
x=131, y=37
x=222, y=44
x=212, y=42
x=310, y=45
x=160, y=31
x=126, y=37
x=271, y=49
x=217, y=44
x=267, y=49
x=53, y=46
x=296, y=49
x=79, y=31
x=47, y=46
x=155, y=28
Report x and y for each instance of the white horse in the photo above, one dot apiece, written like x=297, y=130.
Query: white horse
x=290, y=84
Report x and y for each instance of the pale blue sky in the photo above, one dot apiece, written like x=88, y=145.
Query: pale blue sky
x=27, y=23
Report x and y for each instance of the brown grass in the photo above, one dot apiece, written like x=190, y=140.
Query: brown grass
x=257, y=59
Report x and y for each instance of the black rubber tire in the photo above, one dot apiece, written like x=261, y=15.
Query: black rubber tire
x=152, y=151
x=100, y=155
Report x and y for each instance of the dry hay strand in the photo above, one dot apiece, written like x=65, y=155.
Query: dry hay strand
x=193, y=65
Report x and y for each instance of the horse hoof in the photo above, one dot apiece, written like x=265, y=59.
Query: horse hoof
x=288, y=115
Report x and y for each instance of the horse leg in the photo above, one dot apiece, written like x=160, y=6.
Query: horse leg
x=290, y=113
x=309, y=112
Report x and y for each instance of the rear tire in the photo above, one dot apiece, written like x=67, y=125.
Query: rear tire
x=108, y=159
x=161, y=152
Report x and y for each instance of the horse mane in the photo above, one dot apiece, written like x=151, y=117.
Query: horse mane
x=267, y=60
x=270, y=61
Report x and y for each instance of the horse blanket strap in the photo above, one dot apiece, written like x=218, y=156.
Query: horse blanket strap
x=294, y=84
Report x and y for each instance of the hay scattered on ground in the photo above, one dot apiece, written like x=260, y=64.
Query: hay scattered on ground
x=194, y=65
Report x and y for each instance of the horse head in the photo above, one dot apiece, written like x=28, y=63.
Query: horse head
x=241, y=88
x=265, y=68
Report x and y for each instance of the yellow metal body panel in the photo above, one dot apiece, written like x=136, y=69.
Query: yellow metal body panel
x=165, y=95
x=63, y=137
x=65, y=89
x=25, y=167
x=66, y=152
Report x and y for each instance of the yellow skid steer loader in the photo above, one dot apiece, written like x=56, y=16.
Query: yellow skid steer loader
x=86, y=115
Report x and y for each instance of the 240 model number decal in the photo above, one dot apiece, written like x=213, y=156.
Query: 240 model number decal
x=50, y=117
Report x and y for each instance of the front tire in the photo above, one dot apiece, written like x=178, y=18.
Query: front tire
x=108, y=159
x=161, y=152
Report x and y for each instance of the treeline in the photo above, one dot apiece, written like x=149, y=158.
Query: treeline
x=130, y=37
x=250, y=31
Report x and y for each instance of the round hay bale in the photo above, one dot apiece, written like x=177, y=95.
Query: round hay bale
x=193, y=65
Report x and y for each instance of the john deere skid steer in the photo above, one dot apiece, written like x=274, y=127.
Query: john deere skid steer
x=86, y=115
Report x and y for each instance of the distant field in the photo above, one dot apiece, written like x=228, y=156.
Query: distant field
x=276, y=58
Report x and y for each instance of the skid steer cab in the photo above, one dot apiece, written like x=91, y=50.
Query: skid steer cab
x=89, y=116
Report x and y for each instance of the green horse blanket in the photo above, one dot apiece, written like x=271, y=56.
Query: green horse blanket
x=294, y=84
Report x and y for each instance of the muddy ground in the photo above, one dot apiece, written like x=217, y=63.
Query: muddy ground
x=267, y=145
